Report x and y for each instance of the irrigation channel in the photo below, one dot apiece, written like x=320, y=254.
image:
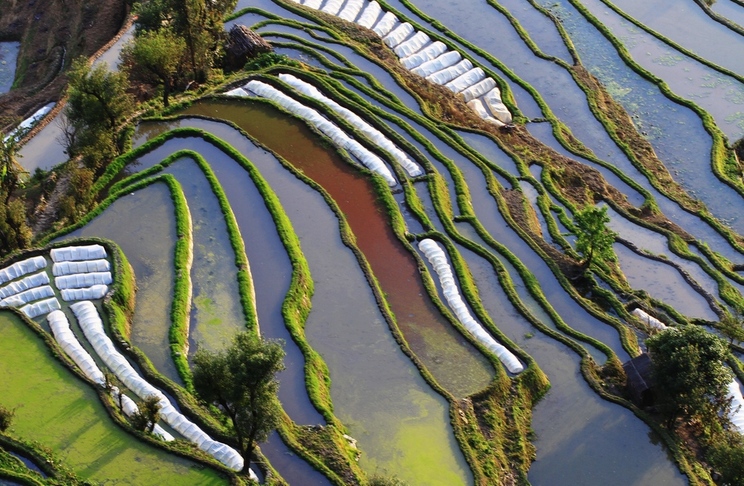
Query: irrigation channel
x=407, y=381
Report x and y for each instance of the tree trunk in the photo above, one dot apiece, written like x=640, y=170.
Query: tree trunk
x=166, y=92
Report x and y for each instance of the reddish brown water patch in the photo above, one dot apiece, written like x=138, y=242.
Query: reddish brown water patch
x=455, y=363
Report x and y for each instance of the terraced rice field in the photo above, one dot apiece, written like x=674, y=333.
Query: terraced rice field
x=394, y=199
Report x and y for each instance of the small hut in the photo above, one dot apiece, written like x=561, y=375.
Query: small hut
x=640, y=381
x=243, y=44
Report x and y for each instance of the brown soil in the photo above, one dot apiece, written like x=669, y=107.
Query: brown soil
x=52, y=33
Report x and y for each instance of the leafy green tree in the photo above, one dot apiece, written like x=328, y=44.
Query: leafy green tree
x=10, y=170
x=732, y=326
x=241, y=380
x=155, y=57
x=147, y=415
x=14, y=231
x=97, y=104
x=594, y=238
x=691, y=377
x=727, y=457
x=200, y=23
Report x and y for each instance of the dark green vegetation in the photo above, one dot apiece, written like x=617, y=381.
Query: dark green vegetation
x=690, y=374
x=593, y=238
x=241, y=380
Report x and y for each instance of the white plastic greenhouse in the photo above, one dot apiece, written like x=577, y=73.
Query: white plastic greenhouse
x=314, y=4
x=35, y=280
x=85, y=266
x=492, y=99
x=412, y=45
x=240, y=92
x=88, y=293
x=332, y=7
x=369, y=15
x=358, y=122
x=70, y=253
x=438, y=260
x=449, y=58
x=386, y=24
x=351, y=10
x=60, y=327
x=24, y=267
x=480, y=109
x=415, y=48
x=648, y=320
x=81, y=280
x=92, y=326
x=398, y=35
x=370, y=160
x=464, y=81
x=478, y=89
x=30, y=295
x=42, y=307
x=453, y=72
x=426, y=54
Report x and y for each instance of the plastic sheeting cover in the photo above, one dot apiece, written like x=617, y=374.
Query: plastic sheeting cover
x=480, y=109
x=398, y=35
x=314, y=4
x=736, y=413
x=130, y=408
x=92, y=326
x=448, y=74
x=42, y=307
x=386, y=24
x=370, y=160
x=30, y=295
x=478, y=89
x=24, y=267
x=438, y=260
x=70, y=253
x=648, y=320
x=370, y=15
x=464, y=81
x=89, y=293
x=351, y=10
x=81, y=280
x=35, y=280
x=29, y=122
x=85, y=266
x=431, y=66
x=60, y=327
x=236, y=92
x=498, y=109
x=358, y=122
x=426, y=54
x=332, y=7
x=412, y=45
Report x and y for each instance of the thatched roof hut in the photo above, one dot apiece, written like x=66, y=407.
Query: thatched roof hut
x=244, y=44
x=640, y=380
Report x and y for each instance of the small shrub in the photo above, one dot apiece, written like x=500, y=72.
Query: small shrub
x=386, y=481
x=6, y=418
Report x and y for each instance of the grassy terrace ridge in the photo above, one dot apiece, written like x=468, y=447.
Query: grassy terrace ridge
x=56, y=407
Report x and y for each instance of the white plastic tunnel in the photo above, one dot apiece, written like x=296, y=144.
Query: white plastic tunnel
x=438, y=259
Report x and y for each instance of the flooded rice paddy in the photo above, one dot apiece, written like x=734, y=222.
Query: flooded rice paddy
x=368, y=282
